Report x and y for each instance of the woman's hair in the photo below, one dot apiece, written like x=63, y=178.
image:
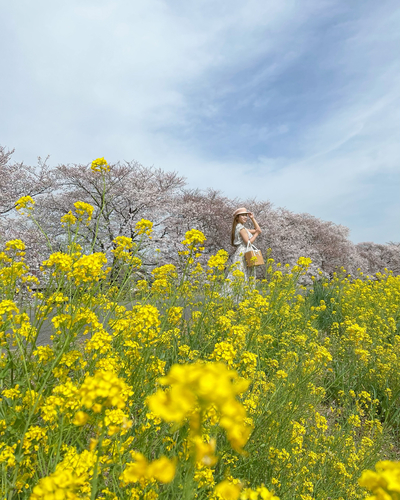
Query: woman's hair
x=234, y=224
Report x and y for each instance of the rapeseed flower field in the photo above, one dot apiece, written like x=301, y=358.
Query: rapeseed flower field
x=184, y=386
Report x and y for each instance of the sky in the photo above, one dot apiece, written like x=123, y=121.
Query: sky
x=295, y=102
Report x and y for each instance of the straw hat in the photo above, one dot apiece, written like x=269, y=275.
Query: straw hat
x=240, y=211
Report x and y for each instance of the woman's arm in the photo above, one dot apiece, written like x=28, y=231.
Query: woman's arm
x=245, y=236
x=255, y=232
x=255, y=223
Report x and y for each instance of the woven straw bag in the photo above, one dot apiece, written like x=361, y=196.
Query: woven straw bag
x=253, y=256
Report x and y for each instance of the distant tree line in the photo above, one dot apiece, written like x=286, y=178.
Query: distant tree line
x=132, y=192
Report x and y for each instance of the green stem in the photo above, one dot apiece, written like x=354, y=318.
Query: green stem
x=96, y=467
x=100, y=213
x=44, y=234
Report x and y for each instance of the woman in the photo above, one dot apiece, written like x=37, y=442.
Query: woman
x=240, y=237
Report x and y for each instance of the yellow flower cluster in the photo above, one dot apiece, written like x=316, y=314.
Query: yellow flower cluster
x=82, y=209
x=193, y=238
x=7, y=455
x=304, y=262
x=144, y=226
x=100, y=165
x=218, y=260
x=142, y=323
x=60, y=485
x=8, y=307
x=164, y=276
x=68, y=219
x=162, y=469
x=77, y=267
x=89, y=268
x=70, y=480
x=229, y=490
x=175, y=315
x=224, y=351
x=15, y=245
x=123, y=242
x=61, y=262
x=26, y=202
x=198, y=387
x=64, y=398
x=122, y=251
x=103, y=389
x=117, y=421
x=384, y=483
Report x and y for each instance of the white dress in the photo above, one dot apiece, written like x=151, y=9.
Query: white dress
x=238, y=256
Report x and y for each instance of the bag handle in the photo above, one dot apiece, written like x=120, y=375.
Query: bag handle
x=250, y=246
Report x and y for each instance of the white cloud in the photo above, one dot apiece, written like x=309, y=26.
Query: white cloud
x=151, y=80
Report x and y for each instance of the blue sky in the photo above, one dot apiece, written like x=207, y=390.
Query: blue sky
x=297, y=102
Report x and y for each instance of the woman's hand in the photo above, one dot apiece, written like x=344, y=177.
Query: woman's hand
x=256, y=230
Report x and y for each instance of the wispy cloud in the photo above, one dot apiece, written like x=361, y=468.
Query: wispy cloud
x=294, y=102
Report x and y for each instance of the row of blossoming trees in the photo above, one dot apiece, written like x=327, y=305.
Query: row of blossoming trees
x=130, y=192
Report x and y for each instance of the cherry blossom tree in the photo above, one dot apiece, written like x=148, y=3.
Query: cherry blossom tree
x=208, y=211
x=130, y=191
x=121, y=197
x=291, y=235
x=378, y=257
x=18, y=179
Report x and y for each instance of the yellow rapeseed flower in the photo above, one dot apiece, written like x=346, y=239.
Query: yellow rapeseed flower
x=68, y=218
x=144, y=226
x=384, y=483
x=81, y=418
x=83, y=208
x=218, y=260
x=226, y=490
x=203, y=385
x=70, y=480
x=259, y=493
x=104, y=388
x=14, y=245
x=7, y=455
x=162, y=469
x=100, y=165
x=26, y=202
x=61, y=262
x=8, y=307
x=89, y=268
x=193, y=238
x=204, y=451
